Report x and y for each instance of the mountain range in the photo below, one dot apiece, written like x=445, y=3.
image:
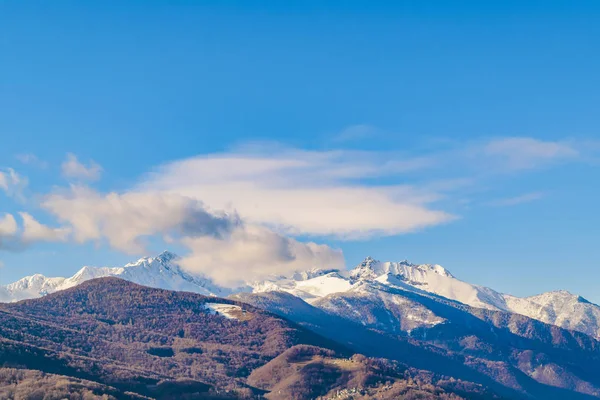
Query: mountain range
x=110, y=338
x=335, y=290
x=372, y=331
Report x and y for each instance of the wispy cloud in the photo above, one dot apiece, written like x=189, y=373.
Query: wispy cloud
x=240, y=213
x=73, y=169
x=12, y=183
x=356, y=132
x=237, y=213
x=516, y=200
x=520, y=153
x=306, y=192
x=31, y=159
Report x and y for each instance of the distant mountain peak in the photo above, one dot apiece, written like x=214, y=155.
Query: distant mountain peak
x=167, y=256
x=558, y=296
x=312, y=273
x=370, y=269
x=368, y=261
x=160, y=271
x=438, y=269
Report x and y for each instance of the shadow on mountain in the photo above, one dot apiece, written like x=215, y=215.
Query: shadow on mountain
x=434, y=354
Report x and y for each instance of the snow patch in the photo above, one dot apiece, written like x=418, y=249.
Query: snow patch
x=228, y=311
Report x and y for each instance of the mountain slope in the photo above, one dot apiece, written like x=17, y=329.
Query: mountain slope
x=31, y=384
x=132, y=338
x=180, y=345
x=149, y=341
x=520, y=353
x=378, y=309
x=305, y=372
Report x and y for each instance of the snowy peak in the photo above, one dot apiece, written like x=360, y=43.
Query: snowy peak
x=557, y=296
x=438, y=269
x=164, y=272
x=30, y=287
x=313, y=273
x=86, y=273
x=368, y=269
x=165, y=260
x=161, y=272
x=29, y=282
x=371, y=269
x=368, y=262
x=167, y=257
x=34, y=282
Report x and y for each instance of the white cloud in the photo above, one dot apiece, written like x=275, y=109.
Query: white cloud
x=12, y=238
x=221, y=245
x=8, y=225
x=31, y=159
x=356, y=132
x=12, y=183
x=278, y=192
x=124, y=220
x=306, y=192
x=295, y=192
x=8, y=233
x=518, y=153
x=254, y=252
x=73, y=169
x=34, y=231
x=516, y=200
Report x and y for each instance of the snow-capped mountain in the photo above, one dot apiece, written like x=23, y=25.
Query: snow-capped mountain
x=431, y=278
x=559, y=308
x=31, y=287
x=161, y=272
x=337, y=291
x=371, y=269
x=343, y=292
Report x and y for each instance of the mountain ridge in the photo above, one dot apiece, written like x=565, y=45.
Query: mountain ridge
x=512, y=355
x=560, y=308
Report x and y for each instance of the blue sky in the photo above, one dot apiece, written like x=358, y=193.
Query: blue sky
x=458, y=133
